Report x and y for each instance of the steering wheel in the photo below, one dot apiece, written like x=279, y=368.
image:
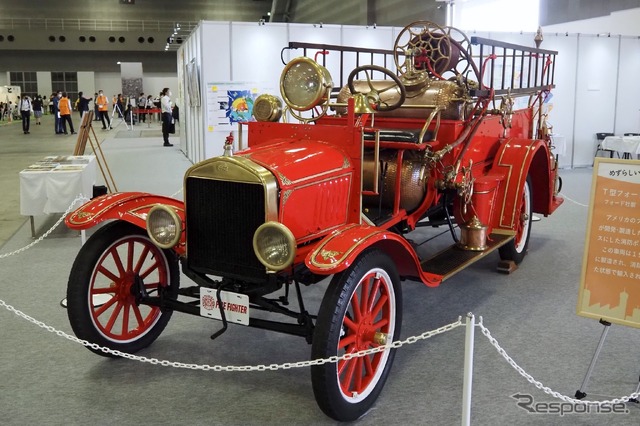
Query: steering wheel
x=373, y=94
x=433, y=49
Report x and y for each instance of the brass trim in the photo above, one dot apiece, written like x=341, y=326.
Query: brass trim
x=288, y=182
x=133, y=212
x=239, y=169
x=285, y=196
x=285, y=180
x=83, y=214
x=345, y=255
x=510, y=166
x=329, y=254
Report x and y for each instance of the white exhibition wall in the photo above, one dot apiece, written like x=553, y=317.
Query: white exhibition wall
x=595, y=76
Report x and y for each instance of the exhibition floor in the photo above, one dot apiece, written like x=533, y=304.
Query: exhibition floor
x=47, y=379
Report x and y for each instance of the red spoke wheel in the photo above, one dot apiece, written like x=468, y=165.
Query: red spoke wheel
x=117, y=263
x=362, y=309
x=516, y=249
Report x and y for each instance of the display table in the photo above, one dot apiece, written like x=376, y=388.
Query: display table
x=52, y=184
x=627, y=145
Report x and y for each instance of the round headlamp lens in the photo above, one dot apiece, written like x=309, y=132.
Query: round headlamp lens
x=304, y=84
x=164, y=226
x=274, y=245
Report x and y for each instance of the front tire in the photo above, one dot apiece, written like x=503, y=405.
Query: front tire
x=115, y=263
x=361, y=308
x=516, y=249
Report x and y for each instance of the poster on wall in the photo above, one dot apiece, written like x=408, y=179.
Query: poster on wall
x=230, y=103
x=193, y=83
x=610, y=280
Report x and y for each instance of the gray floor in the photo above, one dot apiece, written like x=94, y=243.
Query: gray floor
x=45, y=379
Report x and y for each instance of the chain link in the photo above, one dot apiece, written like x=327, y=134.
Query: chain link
x=175, y=193
x=46, y=234
x=300, y=364
x=540, y=385
x=260, y=367
x=563, y=195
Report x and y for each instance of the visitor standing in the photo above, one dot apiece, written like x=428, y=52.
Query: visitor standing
x=165, y=107
x=25, y=113
x=55, y=102
x=37, y=109
x=10, y=112
x=45, y=104
x=65, y=113
x=83, y=104
x=103, y=110
x=142, y=105
x=96, y=112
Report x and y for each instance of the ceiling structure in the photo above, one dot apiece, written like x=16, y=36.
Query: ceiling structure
x=60, y=32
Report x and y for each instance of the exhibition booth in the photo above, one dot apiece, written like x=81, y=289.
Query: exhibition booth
x=124, y=284
x=593, y=75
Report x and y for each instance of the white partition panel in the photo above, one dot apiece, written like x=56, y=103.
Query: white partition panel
x=591, y=94
x=255, y=52
x=191, y=133
x=595, y=94
x=313, y=33
x=561, y=116
x=371, y=38
x=628, y=107
x=44, y=83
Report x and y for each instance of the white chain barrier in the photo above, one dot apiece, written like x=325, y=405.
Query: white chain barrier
x=176, y=193
x=46, y=234
x=572, y=200
x=298, y=364
x=540, y=385
x=228, y=368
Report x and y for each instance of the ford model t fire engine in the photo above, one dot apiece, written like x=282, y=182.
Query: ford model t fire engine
x=440, y=141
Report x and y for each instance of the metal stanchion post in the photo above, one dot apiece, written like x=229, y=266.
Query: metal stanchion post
x=468, y=369
x=580, y=393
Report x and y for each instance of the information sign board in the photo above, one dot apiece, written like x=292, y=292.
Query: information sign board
x=610, y=280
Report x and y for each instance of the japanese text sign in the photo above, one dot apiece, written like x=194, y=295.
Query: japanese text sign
x=610, y=281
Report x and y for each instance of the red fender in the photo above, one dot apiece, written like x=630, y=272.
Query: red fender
x=338, y=250
x=513, y=162
x=128, y=206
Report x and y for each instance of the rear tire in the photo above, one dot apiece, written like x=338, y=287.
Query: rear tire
x=516, y=249
x=362, y=306
x=101, y=303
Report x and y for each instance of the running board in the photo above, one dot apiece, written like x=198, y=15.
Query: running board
x=454, y=259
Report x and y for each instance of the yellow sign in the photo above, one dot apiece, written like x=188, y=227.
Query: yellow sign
x=610, y=281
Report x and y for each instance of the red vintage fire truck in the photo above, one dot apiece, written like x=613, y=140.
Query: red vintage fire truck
x=442, y=130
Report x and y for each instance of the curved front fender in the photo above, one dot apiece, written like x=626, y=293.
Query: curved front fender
x=337, y=251
x=128, y=206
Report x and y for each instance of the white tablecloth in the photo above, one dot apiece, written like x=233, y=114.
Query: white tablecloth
x=628, y=144
x=53, y=191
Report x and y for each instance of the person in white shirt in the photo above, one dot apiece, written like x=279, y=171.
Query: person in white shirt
x=25, y=113
x=165, y=107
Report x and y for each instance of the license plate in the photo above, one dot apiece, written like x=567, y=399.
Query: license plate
x=235, y=305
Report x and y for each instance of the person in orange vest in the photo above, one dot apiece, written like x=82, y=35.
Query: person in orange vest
x=65, y=113
x=103, y=109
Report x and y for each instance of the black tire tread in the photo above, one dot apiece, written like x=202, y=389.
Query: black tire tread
x=330, y=317
x=78, y=286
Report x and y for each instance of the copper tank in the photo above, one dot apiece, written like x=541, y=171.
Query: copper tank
x=431, y=93
x=413, y=184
